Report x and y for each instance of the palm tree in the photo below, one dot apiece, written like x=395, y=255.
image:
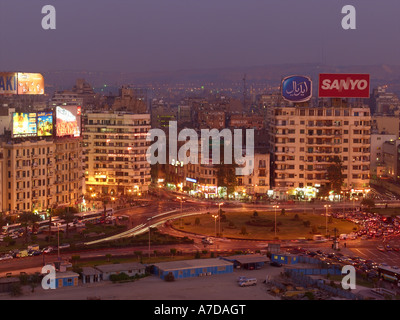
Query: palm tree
x=68, y=216
x=28, y=219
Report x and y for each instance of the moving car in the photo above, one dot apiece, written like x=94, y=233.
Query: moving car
x=207, y=241
x=381, y=248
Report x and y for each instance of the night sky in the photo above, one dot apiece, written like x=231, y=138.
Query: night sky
x=165, y=35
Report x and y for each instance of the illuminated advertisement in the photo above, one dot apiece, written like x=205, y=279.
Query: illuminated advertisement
x=68, y=121
x=8, y=83
x=296, y=89
x=12, y=83
x=24, y=125
x=30, y=83
x=344, y=85
x=45, y=124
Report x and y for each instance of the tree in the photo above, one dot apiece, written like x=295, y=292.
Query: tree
x=34, y=281
x=68, y=216
x=335, y=175
x=368, y=202
x=27, y=220
x=226, y=177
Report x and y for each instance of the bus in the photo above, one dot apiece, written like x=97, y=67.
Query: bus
x=6, y=230
x=90, y=217
x=45, y=224
x=389, y=274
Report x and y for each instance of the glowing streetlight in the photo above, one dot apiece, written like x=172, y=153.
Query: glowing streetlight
x=326, y=217
x=275, y=207
x=219, y=217
x=215, y=223
x=181, y=198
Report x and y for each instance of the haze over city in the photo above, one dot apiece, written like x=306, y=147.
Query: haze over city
x=155, y=35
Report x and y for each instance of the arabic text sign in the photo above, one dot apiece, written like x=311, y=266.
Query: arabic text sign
x=344, y=85
x=297, y=88
x=68, y=121
x=24, y=125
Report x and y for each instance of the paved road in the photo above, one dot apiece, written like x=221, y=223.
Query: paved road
x=161, y=210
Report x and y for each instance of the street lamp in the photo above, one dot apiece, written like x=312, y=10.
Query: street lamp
x=181, y=198
x=58, y=241
x=276, y=207
x=326, y=217
x=215, y=223
x=219, y=217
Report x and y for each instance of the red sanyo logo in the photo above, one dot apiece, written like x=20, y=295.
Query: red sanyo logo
x=344, y=85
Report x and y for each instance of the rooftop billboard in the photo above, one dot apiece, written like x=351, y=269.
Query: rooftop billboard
x=24, y=125
x=18, y=83
x=30, y=83
x=344, y=85
x=45, y=124
x=68, y=121
x=8, y=83
x=296, y=89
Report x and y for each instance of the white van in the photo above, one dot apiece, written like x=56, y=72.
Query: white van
x=248, y=282
x=343, y=236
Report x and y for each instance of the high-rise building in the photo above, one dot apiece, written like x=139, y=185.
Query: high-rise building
x=115, y=159
x=39, y=174
x=305, y=140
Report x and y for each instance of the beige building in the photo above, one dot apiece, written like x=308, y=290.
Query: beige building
x=386, y=124
x=41, y=174
x=115, y=159
x=305, y=140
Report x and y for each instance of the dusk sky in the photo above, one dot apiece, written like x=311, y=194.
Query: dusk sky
x=165, y=35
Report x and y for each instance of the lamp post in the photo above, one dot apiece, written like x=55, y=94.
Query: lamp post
x=276, y=207
x=58, y=241
x=219, y=217
x=180, y=219
x=326, y=218
x=215, y=224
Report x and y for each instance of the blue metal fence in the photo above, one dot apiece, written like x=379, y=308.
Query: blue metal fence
x=301, y=277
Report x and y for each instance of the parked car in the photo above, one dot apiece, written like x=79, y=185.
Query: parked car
x=276, y=264
x=248, y=282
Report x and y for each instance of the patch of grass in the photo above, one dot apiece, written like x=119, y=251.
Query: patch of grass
x=289, y=227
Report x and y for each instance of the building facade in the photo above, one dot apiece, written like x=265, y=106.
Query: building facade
x=305, y=140
x=115, y=153
x=40, y=174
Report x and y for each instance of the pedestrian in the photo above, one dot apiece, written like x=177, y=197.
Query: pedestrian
x=345, y=245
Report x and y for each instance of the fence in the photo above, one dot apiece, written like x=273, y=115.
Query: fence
x=301, y=277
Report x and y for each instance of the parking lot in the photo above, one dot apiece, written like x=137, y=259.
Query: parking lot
x=216, y=287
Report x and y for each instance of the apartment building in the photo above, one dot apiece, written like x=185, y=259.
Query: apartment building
x=69, y=182
x=305, y=140
x=41, y=174
x=115, y=153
